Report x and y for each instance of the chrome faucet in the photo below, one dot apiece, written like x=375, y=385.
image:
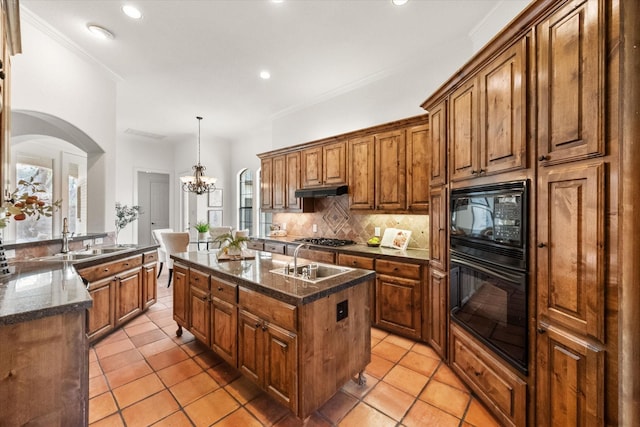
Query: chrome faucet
x=65, y=236
x=295, y=258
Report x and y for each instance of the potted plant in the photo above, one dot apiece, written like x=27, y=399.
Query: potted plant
x=202, y=227
x=230, y=245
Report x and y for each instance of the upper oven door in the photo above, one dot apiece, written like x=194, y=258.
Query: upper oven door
x=493, y=214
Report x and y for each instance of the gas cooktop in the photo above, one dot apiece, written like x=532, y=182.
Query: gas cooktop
x=324, y=241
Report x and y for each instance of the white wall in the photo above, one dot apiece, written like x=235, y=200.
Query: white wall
x=48, y=77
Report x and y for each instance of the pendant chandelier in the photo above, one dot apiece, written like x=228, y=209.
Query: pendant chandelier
x=199, y=183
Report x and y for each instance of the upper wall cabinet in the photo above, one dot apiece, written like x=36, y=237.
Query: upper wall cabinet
x=418, y=168
x=361, y=173
x=390, y=160
x=324, y=165
x=266, y=186
x=571, y=83
x=488, y=118
x=280, y=179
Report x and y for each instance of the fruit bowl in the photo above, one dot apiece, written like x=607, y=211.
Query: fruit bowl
x=373, y=245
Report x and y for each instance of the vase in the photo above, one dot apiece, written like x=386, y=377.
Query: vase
x=202, y=236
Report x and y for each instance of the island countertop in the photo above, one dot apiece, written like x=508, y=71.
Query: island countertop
x=255, y=274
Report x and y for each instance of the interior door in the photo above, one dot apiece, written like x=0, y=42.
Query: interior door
x=153, y=197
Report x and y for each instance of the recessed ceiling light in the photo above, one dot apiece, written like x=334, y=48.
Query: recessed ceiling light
x=131, y=11
x=399, y=2
x=99, y=32
x=265, y=75
x=277, y=1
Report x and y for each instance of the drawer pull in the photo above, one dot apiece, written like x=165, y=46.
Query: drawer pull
x=257, y=324
x=477, y=374
x=126, y=264
x=220, y=288
x=106, y=270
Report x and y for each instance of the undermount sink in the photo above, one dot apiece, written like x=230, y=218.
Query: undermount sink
x=82, y=254
x=100, y=251
x=324, y=272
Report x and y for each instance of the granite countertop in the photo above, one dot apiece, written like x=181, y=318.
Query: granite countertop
x=40, y=289
x=420, y=255
x=50, y=286
x=255, y=274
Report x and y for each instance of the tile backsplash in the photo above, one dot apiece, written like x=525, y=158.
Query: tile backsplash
x=334, y=219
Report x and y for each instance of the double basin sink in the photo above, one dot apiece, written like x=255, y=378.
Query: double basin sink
x=323, y=271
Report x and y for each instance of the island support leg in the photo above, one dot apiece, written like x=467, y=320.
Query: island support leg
x=362, y=380
x=179, y=331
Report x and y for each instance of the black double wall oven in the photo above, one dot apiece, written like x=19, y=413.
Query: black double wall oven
x=489, y=266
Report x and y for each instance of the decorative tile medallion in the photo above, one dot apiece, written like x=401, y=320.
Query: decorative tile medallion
x=335, y=216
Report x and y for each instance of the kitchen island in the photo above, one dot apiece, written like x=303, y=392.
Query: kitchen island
x=299, y=339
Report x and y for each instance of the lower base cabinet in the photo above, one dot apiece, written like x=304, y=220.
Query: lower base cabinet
x=498, y=387
x=128, y=286
x=437, y=312
x=224, y=320
x=101, y=316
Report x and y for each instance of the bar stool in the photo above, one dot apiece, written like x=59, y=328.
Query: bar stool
x=162, y=251
x=174, y=243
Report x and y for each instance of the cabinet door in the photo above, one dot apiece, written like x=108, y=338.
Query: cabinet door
x=101, y=316
x=361, y=173
x=438, y=142
x=224, y=330
x=438, y=290
x=503, y=111
x=149, y=286
x=200, y=314
x=266, y=185
x=571, y=266
x=281, y=366
x=390, y=161
x=463, y=131
x=571, y=89
x=398, y=305
x=334, y=163
x=128, y=295
x=250, y=346
x=279, y=180
x=293, y=181
x=418, y=168
x=312, y=167
x=438, y=238
x=570, y=374
x=180, y=294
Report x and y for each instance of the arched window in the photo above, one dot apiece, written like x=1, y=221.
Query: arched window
x=245, y=202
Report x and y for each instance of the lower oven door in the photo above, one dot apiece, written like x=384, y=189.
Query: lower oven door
x=491, y=302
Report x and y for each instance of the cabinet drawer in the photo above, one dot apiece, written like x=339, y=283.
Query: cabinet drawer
x=401, y=269
x=224, y=290
x=269, y=309
x=276, y=248
x=97, y=272
x=500, y=389
x=256, y=245
x=355, y=261
x=149, y=257
x=199, y=279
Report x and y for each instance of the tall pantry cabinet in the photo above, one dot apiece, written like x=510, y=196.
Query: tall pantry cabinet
x=573, y=131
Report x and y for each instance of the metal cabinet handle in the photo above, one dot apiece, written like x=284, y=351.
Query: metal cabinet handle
x=542, y=245
x=543, y=158
x=220, y=288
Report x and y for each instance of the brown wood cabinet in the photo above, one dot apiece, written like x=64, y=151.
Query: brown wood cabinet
x=120, y=292
x=181, y=295
x=361, y=173
x=149, y=279
x=570, y=385
x=324, y=164
x=399, y=297
x=279, y=182
x=463, y=131
x=571, y=89
x=292, y=181
x=199, y=306
x=502, y=389
x=438, y=143
x=390, y=171
x=356, y=261
x=268, y=347
x=266, y=183
x=437, y=311
x=317, y=255
x=418, y=168
x=224, y=320
x=128, y=293
x=439, y=234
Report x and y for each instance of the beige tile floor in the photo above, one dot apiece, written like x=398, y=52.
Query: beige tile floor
x=142, y=375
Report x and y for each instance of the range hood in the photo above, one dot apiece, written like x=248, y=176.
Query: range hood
x=322, y=191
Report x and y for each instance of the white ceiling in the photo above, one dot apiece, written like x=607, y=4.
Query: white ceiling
x=202, y=57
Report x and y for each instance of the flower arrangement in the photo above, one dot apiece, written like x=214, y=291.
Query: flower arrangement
x=25, y=203
x=202, y=226
x=124, y=216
